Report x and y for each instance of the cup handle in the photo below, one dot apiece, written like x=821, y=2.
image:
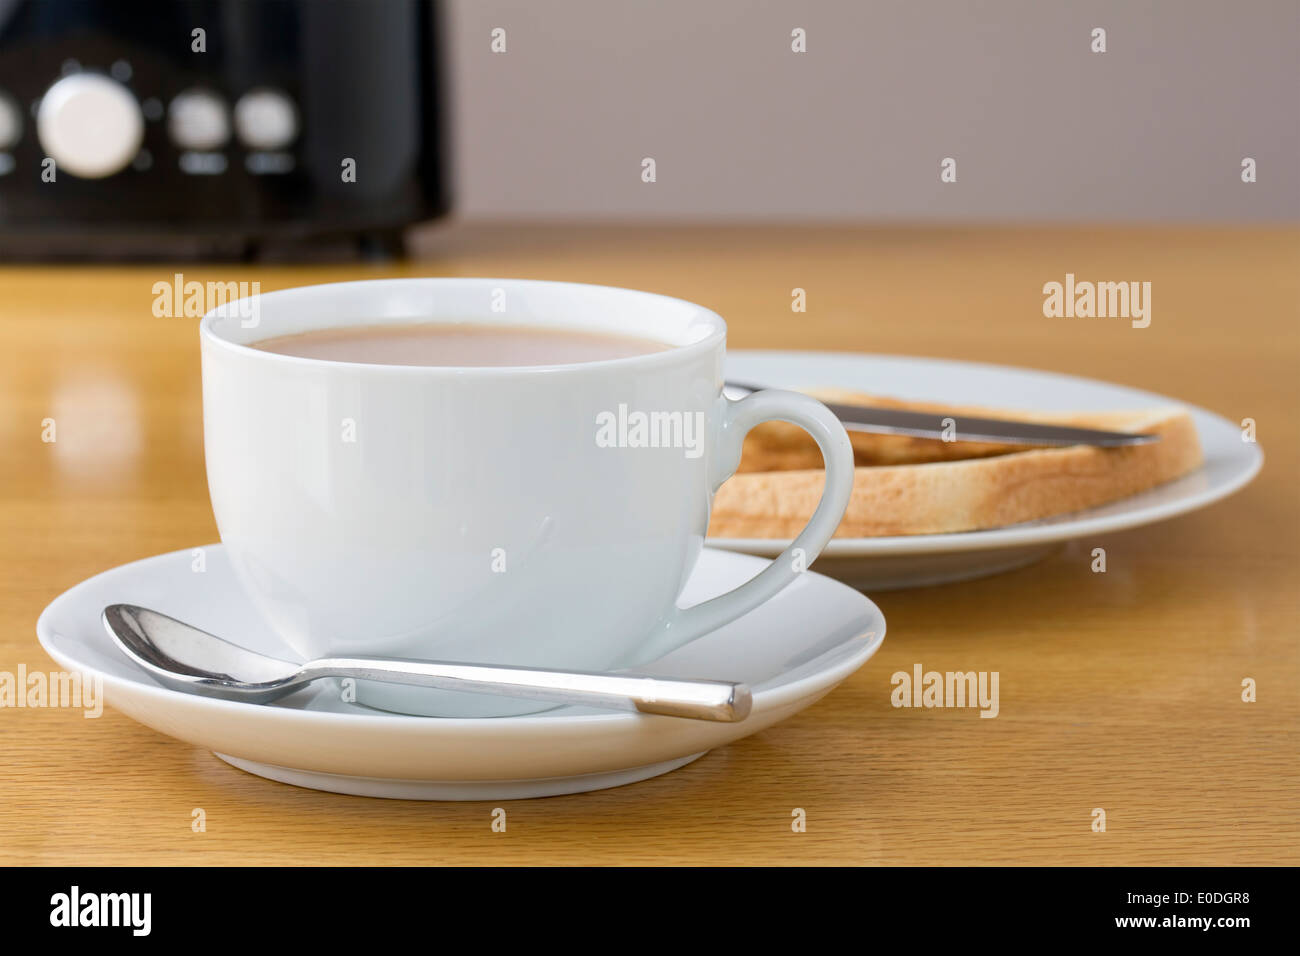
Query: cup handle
x=686, y=624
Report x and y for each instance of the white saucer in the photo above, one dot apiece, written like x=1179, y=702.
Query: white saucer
x=791, y=651
x=917, y=560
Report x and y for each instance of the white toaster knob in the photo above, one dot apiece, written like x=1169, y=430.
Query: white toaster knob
x=266, y=119
x=198, y=119
x=90, y=125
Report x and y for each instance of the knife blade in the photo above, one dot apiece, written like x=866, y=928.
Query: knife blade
x=958, y=426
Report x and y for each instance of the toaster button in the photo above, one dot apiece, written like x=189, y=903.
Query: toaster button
x=89, y=124
x=198, y=120
x=266, y=119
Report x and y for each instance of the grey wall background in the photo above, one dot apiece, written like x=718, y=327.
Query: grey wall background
x=743, y=129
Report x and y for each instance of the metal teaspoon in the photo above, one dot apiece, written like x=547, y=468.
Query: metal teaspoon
x=186, y=658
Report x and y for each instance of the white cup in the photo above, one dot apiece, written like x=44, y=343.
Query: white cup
x=485, y=514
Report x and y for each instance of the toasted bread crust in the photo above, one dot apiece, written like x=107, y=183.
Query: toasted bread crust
x=903, y=488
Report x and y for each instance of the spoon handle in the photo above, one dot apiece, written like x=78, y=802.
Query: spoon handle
x=673, y=697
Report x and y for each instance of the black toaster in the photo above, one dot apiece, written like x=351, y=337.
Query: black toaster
x=217, y=128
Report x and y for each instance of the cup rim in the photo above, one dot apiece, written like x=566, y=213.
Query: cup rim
x=668, y=356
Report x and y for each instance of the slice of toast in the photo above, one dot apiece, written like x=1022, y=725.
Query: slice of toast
x=907, y=486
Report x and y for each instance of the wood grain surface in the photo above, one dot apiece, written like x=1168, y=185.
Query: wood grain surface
x=1120, y=691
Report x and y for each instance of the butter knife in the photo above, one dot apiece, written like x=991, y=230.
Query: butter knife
x=958, y=426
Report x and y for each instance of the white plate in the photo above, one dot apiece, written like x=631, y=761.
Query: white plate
x=915, y=560
x=791, y=651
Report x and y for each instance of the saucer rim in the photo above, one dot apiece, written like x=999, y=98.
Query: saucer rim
x=868, y=639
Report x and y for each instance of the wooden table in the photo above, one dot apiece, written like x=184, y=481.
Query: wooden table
x=1119, y=690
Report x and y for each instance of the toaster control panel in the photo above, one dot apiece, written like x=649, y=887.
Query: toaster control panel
x=92, y=126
